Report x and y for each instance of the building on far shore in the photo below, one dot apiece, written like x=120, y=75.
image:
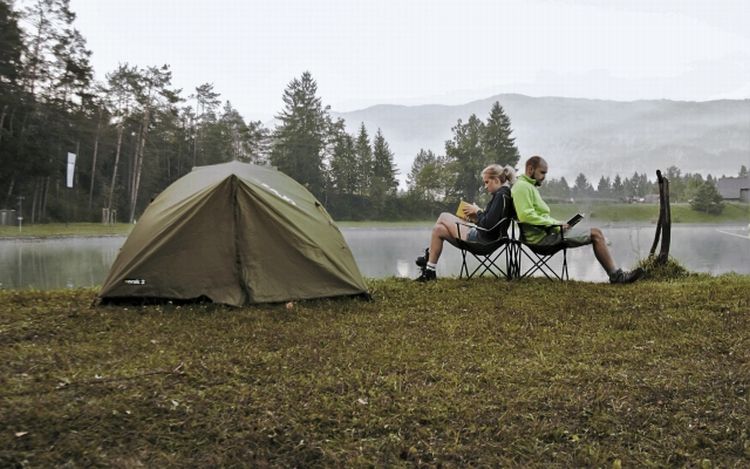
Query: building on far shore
x=734, y=188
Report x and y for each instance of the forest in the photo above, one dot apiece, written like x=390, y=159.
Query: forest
x=133, y=133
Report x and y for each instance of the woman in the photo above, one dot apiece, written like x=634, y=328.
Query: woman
x=497, y=180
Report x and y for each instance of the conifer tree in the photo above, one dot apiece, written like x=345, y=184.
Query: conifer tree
x=707, y=199
x=343, y=164
x=363, y=152
x=497, y=144
x=604, y=187
x=384, y=182
x=299, y=141
x=618, y=190
x=582, y=187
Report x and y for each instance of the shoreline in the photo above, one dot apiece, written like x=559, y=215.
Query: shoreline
x=389, y=225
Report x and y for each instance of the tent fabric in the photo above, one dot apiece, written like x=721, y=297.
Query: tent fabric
x=237, y=234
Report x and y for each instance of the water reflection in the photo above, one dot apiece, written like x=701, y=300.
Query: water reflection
x=71, y=263
x=56, y=263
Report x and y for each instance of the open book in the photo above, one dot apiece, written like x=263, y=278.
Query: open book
x=460, y=211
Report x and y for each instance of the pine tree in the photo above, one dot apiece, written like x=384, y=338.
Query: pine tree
x=604, y=187
x=343, y=164
x=299, y=141
x=497, y=144
x=207, y=143
x=384, y=182
x=707, y=199
x=11, y=47
x=582, y=187
x=363, y=152
x=618, y=190
x=743, y=171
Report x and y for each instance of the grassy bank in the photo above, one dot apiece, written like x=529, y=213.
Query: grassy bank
x=602, y=213
x=455, y=373
x=51, y=230
x=681, y=213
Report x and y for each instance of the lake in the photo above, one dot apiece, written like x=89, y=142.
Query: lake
x=381, y=252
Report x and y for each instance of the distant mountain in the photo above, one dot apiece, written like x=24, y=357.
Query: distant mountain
x=595, y=137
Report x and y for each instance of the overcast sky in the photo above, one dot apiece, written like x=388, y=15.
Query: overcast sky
x=417, y=51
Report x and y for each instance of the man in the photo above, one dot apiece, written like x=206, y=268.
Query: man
x=531, y=209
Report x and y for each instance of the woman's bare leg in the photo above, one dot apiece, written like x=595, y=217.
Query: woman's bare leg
x=445, y=229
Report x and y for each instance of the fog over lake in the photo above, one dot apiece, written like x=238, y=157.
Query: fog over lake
x=381, y=252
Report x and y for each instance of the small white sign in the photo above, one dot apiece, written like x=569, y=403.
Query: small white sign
x=71, y=168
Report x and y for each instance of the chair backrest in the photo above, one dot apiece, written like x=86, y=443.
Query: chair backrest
x=509, y=214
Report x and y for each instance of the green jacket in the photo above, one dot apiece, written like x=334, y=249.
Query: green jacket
x=531, y=209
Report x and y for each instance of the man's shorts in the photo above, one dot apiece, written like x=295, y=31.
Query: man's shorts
x=473, y=235
x=573, y=238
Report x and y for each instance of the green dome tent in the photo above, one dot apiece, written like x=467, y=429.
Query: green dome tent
x=237, y=234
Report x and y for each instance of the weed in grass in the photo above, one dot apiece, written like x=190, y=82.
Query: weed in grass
x=669, y=270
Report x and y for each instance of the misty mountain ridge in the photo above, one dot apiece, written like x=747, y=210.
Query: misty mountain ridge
x=576, y=135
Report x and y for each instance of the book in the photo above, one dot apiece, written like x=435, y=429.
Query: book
x=460, y=210
x=576, y=218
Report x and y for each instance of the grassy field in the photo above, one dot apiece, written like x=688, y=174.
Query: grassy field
x=603, y=213
x=47, y=230
x=454, y=373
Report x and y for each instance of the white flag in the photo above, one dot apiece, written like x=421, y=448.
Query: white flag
x=71, y=168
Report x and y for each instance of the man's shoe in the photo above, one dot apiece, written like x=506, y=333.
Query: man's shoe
x=428, y=275
x=422, y=260
x=619, y=276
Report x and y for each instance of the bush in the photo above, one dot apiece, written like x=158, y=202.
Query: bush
x=707, y=199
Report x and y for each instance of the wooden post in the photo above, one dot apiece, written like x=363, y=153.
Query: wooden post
x=666, y=230
x=664, y=225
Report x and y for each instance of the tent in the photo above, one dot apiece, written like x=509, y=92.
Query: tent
x=237, y=234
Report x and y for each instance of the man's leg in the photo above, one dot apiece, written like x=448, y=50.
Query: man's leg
x=601, y=251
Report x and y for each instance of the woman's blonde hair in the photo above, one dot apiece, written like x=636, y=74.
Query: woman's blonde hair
x=506, y=174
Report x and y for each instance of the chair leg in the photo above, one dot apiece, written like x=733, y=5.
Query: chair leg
x=464, y=268
x=486, y=263
x=541, y=264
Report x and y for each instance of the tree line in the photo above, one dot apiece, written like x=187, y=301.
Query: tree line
x=134, y=133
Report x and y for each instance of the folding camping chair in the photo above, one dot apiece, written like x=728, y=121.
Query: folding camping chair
x=488, y=253
x=540, y=256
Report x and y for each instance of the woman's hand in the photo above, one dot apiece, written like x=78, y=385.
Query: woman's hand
x=471, y=211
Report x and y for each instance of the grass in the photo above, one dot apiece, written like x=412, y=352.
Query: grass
x=649, y=213
x=599, y=212
x=50, y=230
x=454, y=373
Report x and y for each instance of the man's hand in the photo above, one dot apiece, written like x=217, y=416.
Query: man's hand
x=565, y=227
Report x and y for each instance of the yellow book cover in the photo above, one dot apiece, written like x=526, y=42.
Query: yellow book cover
x=460, y=210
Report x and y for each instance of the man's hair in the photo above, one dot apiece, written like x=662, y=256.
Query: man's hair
x=534, y=162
